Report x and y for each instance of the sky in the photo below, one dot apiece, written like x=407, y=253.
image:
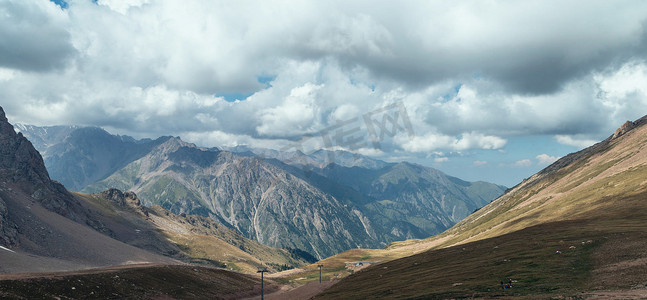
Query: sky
x=482, y=90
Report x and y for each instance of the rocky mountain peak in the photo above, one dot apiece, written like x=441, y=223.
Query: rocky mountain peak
x=6, y=130
x=22, y=166
x=623, y=129
x=172, y=144
x=19, y=161
x=127, y=199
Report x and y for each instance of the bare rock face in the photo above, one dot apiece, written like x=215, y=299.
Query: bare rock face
x=127, y=199
x=22, y=166
x=7, y=229
x=623, y=129
x=262, y=201
x=280, y=206
x=19, y=161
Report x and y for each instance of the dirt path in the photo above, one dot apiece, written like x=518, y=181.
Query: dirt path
x=304, y=292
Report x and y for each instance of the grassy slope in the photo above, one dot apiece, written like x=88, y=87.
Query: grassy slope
x=586, y=187
x=595, y=255
x=149, y=282
x=598, y=197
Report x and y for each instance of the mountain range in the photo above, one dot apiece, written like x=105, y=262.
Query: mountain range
x=574, y=230
x=322, y=203
x=44, y=227
x=78, y=156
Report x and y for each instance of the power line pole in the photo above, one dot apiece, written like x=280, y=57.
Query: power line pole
x=320, y=266
x=262, y=291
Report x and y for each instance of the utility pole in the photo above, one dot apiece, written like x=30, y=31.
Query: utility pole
x=320, y=266
x=262, y=292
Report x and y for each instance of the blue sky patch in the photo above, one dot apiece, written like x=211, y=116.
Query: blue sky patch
x=61, y=3
x=231, y=97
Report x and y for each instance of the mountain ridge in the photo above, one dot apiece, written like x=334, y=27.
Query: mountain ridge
x=79, y=156
x=374, y=217
x=197, y=171
x=44, y=227
x=108, y=228
x=211, y=182
x=573, y=228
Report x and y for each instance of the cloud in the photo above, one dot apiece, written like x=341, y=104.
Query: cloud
x=150, y=68
x=474, y=140
x=545, y=159
x=428, y=142
x=6, y=74
x=297, y=115
x=219, y=139
x=628, y=79
x=369, y=152
x=34, y=36
x=575, y=142
x=480, y=163
x=122, y=6
x=522, y=163
x=441, y=159
x=461, y=39
x=468, y=140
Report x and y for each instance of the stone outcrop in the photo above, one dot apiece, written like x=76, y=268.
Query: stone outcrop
x=623, y=129
x=22, y=166
x=127, y=200
x=8, y=230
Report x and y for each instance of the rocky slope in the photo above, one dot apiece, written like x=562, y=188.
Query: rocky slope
x=412, y=200
x=22, y=166
x=43, y=137
x=317, y=159
x=189, y=238
x=44, y=227
x=321, y=211
x=259, y=199
x=371, y=201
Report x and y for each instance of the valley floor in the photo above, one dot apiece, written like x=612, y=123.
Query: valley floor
x=297, y=292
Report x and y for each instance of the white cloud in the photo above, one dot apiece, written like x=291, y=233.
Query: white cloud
x=441, y=159
x=428, y=142
x=218, y=139
x=299, y=113
x=6, y=74
x=122, y=6
x=344, y=112
x=545, y=159
x=469, y=140
x=373, y=152
x=474, y=140
x=480, y=163
x=523, y=163
x=156, y=67
x=575, y=142
x=630, y=78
